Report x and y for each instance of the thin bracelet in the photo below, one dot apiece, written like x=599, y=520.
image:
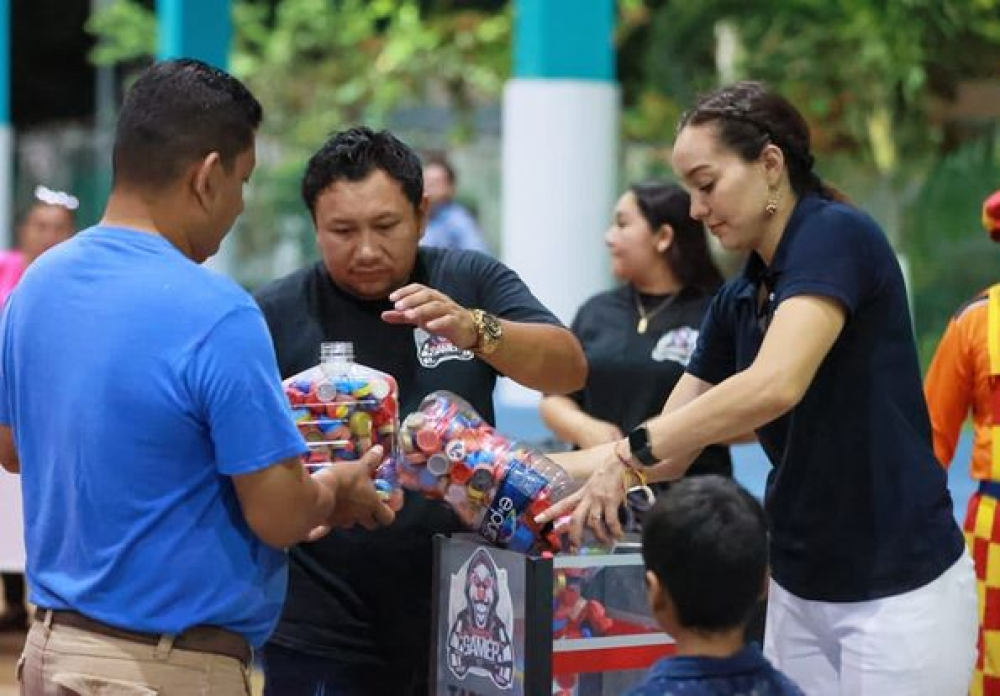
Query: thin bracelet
x=629, y=469
x=623, y=460
x=639, y=477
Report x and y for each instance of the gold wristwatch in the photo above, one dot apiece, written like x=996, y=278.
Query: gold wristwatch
x=488, y=330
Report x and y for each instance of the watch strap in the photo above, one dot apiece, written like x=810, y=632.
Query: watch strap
x=640, y=446
x=488, y=332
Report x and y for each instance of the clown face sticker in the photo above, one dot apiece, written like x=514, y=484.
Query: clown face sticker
x=434, y=350
x=481, y=614
x=676, y=345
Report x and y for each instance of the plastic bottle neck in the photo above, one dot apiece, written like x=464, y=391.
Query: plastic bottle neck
x=336, y=357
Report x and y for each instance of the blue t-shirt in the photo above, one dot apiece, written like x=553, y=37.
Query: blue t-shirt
x=137, y=383
x=450, y=226
x=747, y=673
x=859, y=506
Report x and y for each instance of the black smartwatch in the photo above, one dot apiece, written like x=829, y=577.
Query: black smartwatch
x=638, y=443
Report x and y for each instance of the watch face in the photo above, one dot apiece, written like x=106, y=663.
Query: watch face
x=638, y=442
x=491, y=326
x=489, y=329
x=638, y=439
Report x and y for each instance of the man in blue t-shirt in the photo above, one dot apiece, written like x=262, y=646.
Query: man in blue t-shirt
x=705, y=549
x=140, y=400
x=449, y=224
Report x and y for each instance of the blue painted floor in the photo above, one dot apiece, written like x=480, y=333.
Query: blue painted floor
x=749, y=462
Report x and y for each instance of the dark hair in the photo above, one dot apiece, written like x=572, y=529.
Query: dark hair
x=42, y=205
x=749, y=116
x=176, y=113
x=438, y=159
x=354, y=154
x=706, y=542
x=688, y=256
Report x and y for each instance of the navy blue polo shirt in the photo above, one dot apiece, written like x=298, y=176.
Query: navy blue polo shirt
x=858, y=504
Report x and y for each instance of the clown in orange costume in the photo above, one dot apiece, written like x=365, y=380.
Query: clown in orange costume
x=964, y=376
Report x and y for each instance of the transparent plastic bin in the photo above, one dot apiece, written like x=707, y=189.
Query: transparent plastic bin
x=510, y=624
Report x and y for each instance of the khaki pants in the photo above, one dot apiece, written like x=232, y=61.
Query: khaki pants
x=65, y=661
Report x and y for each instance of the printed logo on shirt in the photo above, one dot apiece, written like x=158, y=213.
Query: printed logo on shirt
x=481, y=615
x=676, y=345
x=434, y=350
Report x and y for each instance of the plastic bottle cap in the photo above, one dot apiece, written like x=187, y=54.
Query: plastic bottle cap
x=326, y=391
x=471, y=441
x=438, y=464
x=414, y=421
x=481, y=480
x=428, y=441
x=361, y=424
x=379, y=388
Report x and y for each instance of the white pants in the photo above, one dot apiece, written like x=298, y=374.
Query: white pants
x=919, y=643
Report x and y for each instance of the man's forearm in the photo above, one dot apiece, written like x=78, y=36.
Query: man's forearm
x=540, y=356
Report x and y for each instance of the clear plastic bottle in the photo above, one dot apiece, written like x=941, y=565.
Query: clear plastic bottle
x=496, y=485
x=343, y=408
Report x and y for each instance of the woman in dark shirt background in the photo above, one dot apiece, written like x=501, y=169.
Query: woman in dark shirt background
x=638, y=337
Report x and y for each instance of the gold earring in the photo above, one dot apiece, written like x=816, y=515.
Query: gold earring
x=771, y=207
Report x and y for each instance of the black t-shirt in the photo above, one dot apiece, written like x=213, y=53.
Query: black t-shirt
x=859, y=506
x=632, y=374
x=364, y=597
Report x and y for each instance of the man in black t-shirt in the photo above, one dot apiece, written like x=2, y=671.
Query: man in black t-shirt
x=357, y=616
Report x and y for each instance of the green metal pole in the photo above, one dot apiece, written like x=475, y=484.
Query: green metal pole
x=201, y=29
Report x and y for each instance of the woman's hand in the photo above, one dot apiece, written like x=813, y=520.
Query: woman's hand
x=595, y=505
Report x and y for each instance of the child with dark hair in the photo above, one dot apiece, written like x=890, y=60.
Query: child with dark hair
x=705, y=548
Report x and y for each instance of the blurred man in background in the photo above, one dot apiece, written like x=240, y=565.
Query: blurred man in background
x=449, y=225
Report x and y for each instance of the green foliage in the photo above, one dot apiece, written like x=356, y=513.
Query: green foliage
x=868, y=66
x=319, y=66
x=865, y=72
x=126, y=31
x=952, y=256
x=861, y=70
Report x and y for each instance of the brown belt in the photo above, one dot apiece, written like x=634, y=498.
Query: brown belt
x=206, y=639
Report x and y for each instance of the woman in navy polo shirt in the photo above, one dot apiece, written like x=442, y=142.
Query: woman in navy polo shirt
x=811, y=346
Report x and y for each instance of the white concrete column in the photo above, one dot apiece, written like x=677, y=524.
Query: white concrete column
x=560, y=155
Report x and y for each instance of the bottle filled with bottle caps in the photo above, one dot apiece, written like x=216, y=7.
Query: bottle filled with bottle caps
x=344, y=408
x=496, y=485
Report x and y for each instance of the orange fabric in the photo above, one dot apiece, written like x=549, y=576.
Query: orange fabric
x=993, y=327
x=959, y=381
